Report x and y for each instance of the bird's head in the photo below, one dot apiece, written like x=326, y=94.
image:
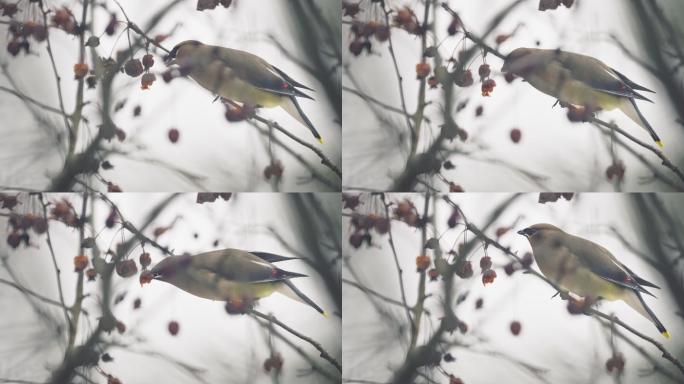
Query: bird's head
x=166, y=270
x=519, y=61
x=537, y=231
x=180, y=51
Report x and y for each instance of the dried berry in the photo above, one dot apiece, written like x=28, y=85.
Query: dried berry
x=433, y=274
x=133, y=68
x=485, y=263
x=453, y=187
x=464, y=78
x=91, y=273
x=111, y=25
x=488, y=276
x=464, y=269
x=147, y=80
x=616, y=362
x=488, y=87
x=145, y=259
x=93, y=41
x=275, y=362
x=275, y=169
x=126, y=268
x=484, y=71
x=148, y=61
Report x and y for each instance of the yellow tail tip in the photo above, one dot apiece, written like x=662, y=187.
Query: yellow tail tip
x=660, y=144
x=325, y=314
x=320, y=140
x=666, y=334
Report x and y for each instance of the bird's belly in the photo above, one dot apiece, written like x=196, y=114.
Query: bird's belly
x=576, y=93
x=226, y=290
x=579, y=281
x=232, y=88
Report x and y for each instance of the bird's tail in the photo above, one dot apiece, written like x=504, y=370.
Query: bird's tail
x=636, y=301
x=629, y=108
x=290, y=290
x=291, y=106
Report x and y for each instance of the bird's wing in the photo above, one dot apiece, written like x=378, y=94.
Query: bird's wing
x=601, y=262
x=240, y=266
x=598, y=75
x=271, y=257
x=256, y=71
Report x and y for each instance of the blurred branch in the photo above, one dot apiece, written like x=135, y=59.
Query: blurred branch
x=665, y=160
x=28, y=99
x=314, y=364
x=657, y=367
x=324, y=160
x=400, y=271
x=323, y=353
x=400, y=78
x=38, y=296
x=58, y=272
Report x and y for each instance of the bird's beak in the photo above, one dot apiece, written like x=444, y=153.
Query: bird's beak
x=522, y=232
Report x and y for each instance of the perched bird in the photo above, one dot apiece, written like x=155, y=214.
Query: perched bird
x=241, y=76
x=580, y=80
x=230, y=275
x=587, y=269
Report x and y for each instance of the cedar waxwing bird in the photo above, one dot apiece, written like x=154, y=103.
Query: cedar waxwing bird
x=587, y=269
x=580, y=80
x=229, y=275
x=241, y=76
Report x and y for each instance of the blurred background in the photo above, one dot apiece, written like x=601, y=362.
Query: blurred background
x=209, y=153
x=514, y=136
x=551, y=345
x=210, y=346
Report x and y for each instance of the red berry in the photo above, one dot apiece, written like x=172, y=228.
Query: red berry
x=174, y=134
x=173, y=327
x=515, y=328
x=422, y=263
x=422, y=70
x=488, y=276
x=478, y=303
x=516, y=134
x=80, y=263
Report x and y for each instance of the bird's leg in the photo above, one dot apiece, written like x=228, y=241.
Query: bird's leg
x=556, y=103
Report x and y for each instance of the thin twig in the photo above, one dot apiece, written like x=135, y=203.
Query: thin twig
x=323, y=353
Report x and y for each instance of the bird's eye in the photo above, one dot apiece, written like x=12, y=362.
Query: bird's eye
x=528, y=232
